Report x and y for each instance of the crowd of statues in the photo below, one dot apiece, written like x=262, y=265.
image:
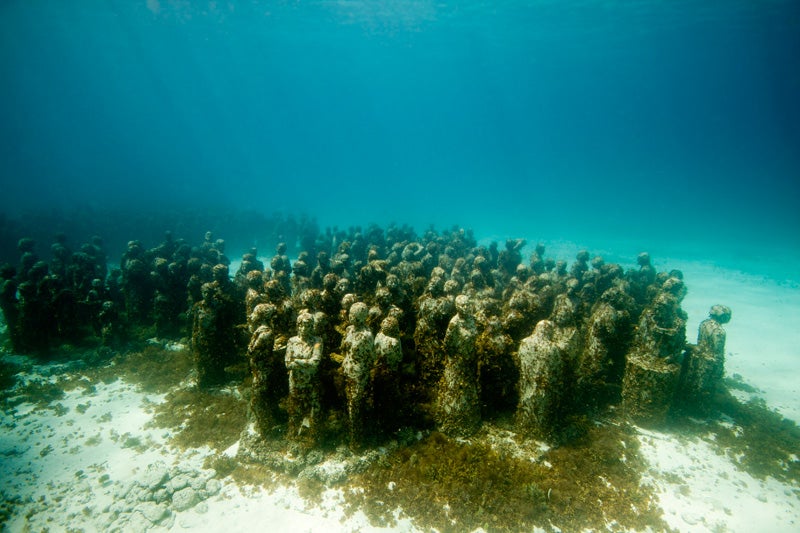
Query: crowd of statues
x=370, y=331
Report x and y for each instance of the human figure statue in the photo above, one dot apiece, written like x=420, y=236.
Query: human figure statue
x=282, y=268
x=662, y=329
x=111, y=328
x=580, y=266
x=138, y=288
x=213, y=338
x=254, y=294
x=303, y=354
x=386, y=373
x=711, y=335
x=434, y=309
x=704, y=366
x=497, y=368
x=9, y=303
x=458, y=410
x=643, y=280
x=654, y=363
x=285, y=316
x=540, y=382
x=607, y=333
x=566, y=335
x=261, y=353
x=359, y=355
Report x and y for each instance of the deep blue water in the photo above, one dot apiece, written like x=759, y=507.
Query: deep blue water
x=678, y=120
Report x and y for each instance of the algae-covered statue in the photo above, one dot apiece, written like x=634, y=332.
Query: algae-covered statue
x=138, y=286
x=451, y=314
x=386, y=389
x=359, y=355
x=303, y=354
x=498, y=371
x=704, y=365
x=254, y=293
x=264, y=367
x=458, y=411
x=213, y=331
x=541, y=381
x=608, y=330
x=711, y=334
x=566, y=332
x=433, y=311
x=654, y=363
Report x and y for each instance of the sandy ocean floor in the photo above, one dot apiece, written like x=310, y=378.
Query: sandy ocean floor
x=90, y=460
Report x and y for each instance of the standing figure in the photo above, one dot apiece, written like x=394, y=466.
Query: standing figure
x=704, y=365
x=540, y=382
x=497, y=369
x=261, y=353
x=9, y=303
x=359, y=350
x=434, y=309
x=213, y=331
x=254, y=294
x=303, y=354
x=653, y=365
x=282, y=268
x=386, y=374
x=711, y=335
x=458, y=412
x=602, y=361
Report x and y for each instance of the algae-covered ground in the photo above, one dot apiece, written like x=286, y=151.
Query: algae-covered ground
x=598, y=477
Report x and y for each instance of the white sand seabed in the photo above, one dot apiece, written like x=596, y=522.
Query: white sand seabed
x=90, y=463
x=75, y=466
x=700, y=490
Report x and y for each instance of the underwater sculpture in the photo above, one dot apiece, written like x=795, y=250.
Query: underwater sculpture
x=47, y=304
x=458, y=409
x=385, y=375
x=704, y=364
x=138, y=286
x=654, y=363
x=264, y=367
x=358, y=346
x=541, y=385
x=433, y=313
x=214, y=328
x=303, y=354
x=436, y=331
x=608, y=330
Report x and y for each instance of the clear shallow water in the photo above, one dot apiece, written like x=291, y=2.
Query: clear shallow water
x=654, y=122
x=666, y=126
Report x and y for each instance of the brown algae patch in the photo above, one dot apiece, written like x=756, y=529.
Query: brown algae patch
x=8, y=374
x=39, y=392
x=736, y=382
x=155, y=369
x=755, y=438
x=8, y=504
x=201, y=417
x=759, y=440
x=455, y=485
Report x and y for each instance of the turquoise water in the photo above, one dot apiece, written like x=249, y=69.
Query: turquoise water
x=668, y=126
x=671, y=122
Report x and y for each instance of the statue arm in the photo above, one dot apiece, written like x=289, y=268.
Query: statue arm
x=316, y=353
x=290, y=359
